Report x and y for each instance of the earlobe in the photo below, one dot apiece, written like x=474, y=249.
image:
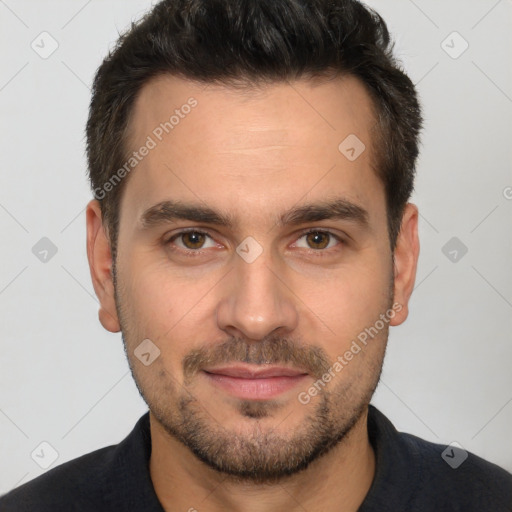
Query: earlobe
x=100, y=265
x=406, y=260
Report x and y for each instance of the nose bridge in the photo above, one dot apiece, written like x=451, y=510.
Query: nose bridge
x=257, y=301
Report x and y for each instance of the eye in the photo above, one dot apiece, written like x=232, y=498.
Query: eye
x=192, y=240
x=317, y=240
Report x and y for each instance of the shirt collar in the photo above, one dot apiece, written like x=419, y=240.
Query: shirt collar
x=131, y=456
x=397, y=467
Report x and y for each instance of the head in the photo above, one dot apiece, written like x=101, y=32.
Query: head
x=252, y=164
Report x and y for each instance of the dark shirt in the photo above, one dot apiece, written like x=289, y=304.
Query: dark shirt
x=411, y=475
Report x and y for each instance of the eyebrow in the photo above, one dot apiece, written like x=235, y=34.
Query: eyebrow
x=337, y=209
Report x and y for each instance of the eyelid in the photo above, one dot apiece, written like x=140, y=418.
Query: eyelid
x=321, y=230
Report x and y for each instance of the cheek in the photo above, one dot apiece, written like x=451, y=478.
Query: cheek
x=148, y=301
x=346, y=302
x=164, y=304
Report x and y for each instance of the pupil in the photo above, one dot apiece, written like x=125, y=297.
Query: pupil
x=318, y=239
x=194, y=239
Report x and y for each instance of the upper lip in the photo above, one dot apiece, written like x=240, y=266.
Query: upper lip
x=255, y=372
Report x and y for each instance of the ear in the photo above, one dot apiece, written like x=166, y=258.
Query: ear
x=100, y=265
x=406, y=260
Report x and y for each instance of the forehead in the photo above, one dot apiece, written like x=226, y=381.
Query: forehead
x=253, y=150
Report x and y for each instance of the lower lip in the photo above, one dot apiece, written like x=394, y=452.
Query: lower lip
x=255, y=389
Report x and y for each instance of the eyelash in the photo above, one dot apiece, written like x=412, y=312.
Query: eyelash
x=194, y=253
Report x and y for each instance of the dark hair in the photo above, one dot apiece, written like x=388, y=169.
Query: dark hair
x=254, y=42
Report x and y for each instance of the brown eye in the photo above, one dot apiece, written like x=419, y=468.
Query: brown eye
x=193, y=239
x=318, y=240
x=191, y=242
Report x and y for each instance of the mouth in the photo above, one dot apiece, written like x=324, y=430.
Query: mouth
x=252, y=382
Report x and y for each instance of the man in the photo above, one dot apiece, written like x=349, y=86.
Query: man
x=252, y=239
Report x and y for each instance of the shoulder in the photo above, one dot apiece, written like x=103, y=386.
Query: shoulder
x=70, y=485
x=451, y=475
x=415, y=474
x=112, y=478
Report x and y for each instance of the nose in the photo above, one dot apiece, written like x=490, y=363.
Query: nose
x=256, y=301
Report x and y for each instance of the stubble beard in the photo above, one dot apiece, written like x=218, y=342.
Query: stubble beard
x=259, y=454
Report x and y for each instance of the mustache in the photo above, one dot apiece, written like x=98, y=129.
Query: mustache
x=270, y=350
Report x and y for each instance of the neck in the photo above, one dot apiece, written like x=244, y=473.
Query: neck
x=337, y=481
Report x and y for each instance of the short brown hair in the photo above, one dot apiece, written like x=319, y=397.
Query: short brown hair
x=254, y=41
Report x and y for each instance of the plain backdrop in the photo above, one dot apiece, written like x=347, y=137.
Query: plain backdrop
x=447, y=375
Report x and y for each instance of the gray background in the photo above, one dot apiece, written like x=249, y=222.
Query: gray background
x=65, y=381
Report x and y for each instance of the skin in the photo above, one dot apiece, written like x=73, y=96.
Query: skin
x=254, y=156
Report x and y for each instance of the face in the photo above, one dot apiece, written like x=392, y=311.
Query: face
x=253, y=254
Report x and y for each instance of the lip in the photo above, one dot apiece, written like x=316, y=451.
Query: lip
x=253, y=382
x=255, y=372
